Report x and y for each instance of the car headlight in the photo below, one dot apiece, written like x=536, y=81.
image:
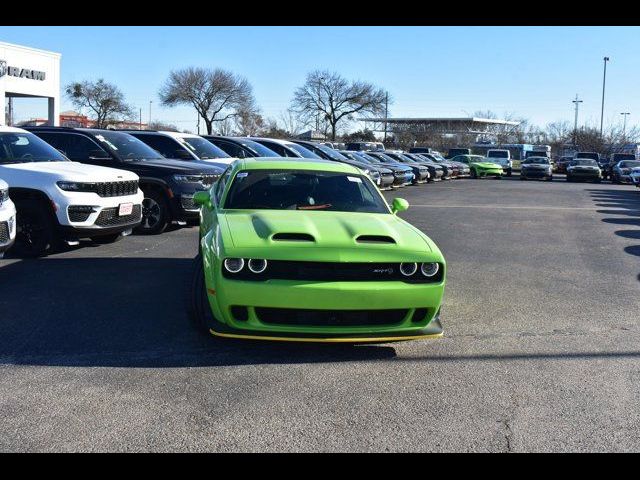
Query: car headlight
x=257, y=265
x=233, y=265
x=429, y=269
x=408, y=269
x=76, y=186
x=188, y=178
x=4, y=195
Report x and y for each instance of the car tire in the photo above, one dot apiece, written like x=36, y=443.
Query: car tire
x=551, y=179
x=106, y=239
x=199, y=309
x=474, y=174
x=35, y=232
x=509, y=173
x=155, y=213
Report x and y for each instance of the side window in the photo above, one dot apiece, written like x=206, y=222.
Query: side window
x=55, y=140
x=279, y=149
x=167, y=147
x=75, y=147
x=79, y=148
x=230, y=148
x=221, y=184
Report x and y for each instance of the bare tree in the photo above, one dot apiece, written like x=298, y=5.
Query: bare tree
x=249, y=121
x=216, y=94
x=159, y=125
x=104, y=100
x=329, y=96
x=225, y=127
x=290, y=122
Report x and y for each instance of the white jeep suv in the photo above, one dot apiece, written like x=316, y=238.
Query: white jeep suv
x=7, y=219
x=60, y=200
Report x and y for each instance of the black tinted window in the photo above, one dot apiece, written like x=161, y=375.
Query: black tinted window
x=230, y=148
x=167, y=147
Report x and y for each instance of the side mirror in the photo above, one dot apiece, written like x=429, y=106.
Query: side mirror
x=98, y=155
x=399, y=205
x=203, y=199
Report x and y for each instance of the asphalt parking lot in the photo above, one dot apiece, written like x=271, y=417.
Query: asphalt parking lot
x=541, y=347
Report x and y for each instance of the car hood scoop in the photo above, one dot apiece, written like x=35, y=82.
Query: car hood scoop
x=316, y=229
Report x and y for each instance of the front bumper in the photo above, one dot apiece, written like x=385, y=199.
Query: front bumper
x=490, y=173
x=624, y=178
x=584, y=175
x=431, y=331
x=7, y=228
x=418, y=306
x=535, y=173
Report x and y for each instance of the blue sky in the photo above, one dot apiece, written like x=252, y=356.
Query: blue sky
x=533, y=72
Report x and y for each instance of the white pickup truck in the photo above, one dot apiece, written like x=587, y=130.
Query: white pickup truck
x=502, y=158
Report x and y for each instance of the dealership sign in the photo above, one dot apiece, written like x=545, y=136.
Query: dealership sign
x=20, y=72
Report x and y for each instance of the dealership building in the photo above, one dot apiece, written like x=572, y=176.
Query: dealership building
x=29, y=73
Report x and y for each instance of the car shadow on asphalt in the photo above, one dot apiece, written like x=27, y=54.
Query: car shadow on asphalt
x=127, y=312
x=625, y=205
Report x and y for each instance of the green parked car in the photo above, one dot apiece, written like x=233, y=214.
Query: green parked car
x=479, y=166
x=309, y=250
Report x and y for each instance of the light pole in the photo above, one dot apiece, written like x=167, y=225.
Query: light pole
x=604, y=80
x=575, y=125
x=150, y=102
x=624, y=125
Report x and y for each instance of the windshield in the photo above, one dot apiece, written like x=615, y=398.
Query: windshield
x=624, y=156
x=629, y=164
x=367, y=157
x=537, y=160
x=203, y=149
x=303, y=190
x=498, y=154
x=592, y=155
x=306, y=153
x=385, y=158
x=585, y=162
x=126, y=146
x=19, y=147
x=257, y=148
x=331, y=153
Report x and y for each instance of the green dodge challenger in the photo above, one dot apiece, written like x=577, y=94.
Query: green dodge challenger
x=479, y=166
x=309, y=250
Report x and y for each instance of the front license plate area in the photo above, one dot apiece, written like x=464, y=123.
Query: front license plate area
x=125, y=209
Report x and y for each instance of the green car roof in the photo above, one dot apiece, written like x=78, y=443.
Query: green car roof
x=290, y=163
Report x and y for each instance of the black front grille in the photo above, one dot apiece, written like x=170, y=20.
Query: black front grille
x=109, y=217
x=332, y=272
x=187, y=203
x=79, y=213
x=4, y=232
x=116, y=189
x=330, y=318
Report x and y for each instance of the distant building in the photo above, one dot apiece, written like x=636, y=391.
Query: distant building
x=29, y=73
x=73, y=119
x=312, y=135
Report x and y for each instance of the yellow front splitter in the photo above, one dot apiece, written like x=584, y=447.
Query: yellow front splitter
x=327, y=340
x=432, y=331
